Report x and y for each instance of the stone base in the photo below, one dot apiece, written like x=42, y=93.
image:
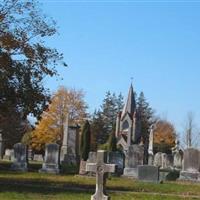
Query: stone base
x=21, y=167
x=189, y=176
x=131, y=172
x=51, y=169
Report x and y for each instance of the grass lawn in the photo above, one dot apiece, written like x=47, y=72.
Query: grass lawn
x=32, y=185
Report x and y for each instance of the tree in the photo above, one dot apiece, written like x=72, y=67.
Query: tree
x=191, y=132
x=146, y=114
x=65, y=102
x=25, y=60
x=104, y=119
x=85, y=141
x=164, y=136
x=112, y=141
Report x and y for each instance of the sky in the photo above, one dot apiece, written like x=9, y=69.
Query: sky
x=105, y=43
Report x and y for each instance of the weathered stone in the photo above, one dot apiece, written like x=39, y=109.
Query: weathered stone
x=177, y=161
x=158, y=159
x=134, y=157
x=167, y=161
x=51, y=159
x=7, y=155
x=82, y=167
x=117, y=158
x=101, y=169
x=191, y=165
x=70, y=146
x=148, y=173
x=1, y=146
x=38, y=157
x=20, y=158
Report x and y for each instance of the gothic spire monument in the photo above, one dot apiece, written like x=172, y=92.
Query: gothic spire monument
x=128, y=123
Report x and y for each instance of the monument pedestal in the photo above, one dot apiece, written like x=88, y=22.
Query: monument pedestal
x=189, y=176
x=130, y=172
x=50, y=168
x=21, y=167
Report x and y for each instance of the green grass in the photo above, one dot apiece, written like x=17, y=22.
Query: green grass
x=33, y=185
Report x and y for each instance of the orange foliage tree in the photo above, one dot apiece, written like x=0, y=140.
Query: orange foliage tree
x=164, y=136
x=65, y=102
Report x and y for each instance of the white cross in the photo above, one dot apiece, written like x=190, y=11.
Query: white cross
x=100, y=168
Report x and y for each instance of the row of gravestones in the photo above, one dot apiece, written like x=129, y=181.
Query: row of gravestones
x=51, y=158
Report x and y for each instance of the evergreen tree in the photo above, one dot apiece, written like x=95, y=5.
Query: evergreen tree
x=85, y=141
x=104, y=119
x=145, y=113
x=112, y=141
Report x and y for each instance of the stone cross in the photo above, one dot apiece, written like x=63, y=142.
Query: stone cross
x=100, y=168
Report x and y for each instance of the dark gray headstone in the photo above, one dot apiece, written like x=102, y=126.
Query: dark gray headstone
x=20, y=157
x=117, y=158
x=134, y=158
x=51, y=159
x=148, y=173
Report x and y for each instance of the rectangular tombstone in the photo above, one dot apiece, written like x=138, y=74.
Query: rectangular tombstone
x=117, y=158
x=148, y=173
x=158, y=159
x=38, y=158
x=20, y=158
x=177, y=160
x=51, y=159
x=191, y=165
x=7, y=155
x=70, y=147
x=134, y=158
x=167, y=161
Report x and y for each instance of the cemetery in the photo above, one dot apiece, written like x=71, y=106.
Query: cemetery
x=58, y=142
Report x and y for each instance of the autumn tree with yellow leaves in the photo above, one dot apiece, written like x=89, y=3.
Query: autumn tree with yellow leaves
x=164, y=136
x=65, y=103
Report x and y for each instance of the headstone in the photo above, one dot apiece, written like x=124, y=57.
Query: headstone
x=101, y=169
x=158, y=159
x=7, y=155
x=191, y=165
x=51, y=159
x=92, y=158
x=134, y=157
x=117, y=158
x=148, y=173
x=167, y=161
x=30, y=154
x=82, y=167
x=70, y=145
x=38, y=157
x=177, y=160
x=20, y=158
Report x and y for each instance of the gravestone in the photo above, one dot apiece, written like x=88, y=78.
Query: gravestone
x=191, y=165
x=158, y=159
x=82, y=167
x=38, y=158
x=70, y=145
x=101, y=169
x=167, y=161
x=20, y=157
x=51, y=159
x=117, y=158
x=92, y=158
x=177, y=161
x=134, y=157
x=148, y=173
x=7, y=155
x=30, y=154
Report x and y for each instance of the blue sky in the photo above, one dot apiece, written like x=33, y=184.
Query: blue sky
x=106, y=43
